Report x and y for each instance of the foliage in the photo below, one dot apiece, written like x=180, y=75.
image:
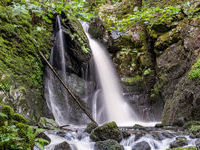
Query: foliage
x=147, y=16
x=195, y=71
x=15, y=135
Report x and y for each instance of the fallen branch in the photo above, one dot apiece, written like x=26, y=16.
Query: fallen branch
x=65, y=86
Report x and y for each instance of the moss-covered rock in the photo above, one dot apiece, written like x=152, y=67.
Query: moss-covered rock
x=105, y=132
x=19, y=118
x=179, y=142
x=47, y=123
x=90, y=126
x=185, y=148
x=108, y=145
x=141, y=146
x=21, y=67
x=8, y=111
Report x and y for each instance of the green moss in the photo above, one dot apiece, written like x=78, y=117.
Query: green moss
x=19, y=118
x=105, y=132
x=22, y=129
x=137, y=78
x=185, y=148
x=194, y=129
x=8, y=111
x=23, y=32
x=195, y=71
x=3, y=118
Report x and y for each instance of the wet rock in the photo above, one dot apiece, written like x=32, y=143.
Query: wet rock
x=138, y=127
x=61, y=133
x=159, y=125
x=81, y=136
x=179, y=142
x=47, y=123
x=185, y=148
x=139, y=134
x=125, y=134
x=141, y=146
x=191, y=123
x=158, y=136
x=197, y=143
x=105, y=132
x=168, y=135
x=62, y=146
x=108, y=145
x=90, y=127
x=97, y=29
x=44, y=136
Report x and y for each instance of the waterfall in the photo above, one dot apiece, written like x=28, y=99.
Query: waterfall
x=57, y=102
x=114, y=106
x=106, y=102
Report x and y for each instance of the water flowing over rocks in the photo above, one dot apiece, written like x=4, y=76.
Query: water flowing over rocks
x=141, y=146
x=108, y=145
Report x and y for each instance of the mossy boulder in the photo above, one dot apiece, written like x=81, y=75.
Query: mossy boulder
x=90, y=127
x=8, y=111
x=179, y=142
x=19, y=118
x=185, y=148
x=141, y=146
x=108, y=145
x=47, y=123
x=105, y=132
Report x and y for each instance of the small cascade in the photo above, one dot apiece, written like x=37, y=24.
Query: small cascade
x=57, y=102
x=61, y=104
x=113, y=105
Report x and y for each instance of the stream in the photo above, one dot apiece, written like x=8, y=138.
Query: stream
x=157, y=138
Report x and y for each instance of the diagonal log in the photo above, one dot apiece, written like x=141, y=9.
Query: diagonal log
x=65, y=86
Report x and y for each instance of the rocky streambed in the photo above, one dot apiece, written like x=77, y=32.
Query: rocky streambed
x=111, y=137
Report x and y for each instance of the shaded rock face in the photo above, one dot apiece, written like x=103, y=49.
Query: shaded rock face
x=21, y=68
x=108, y=145
x=179, y=91
x=142, y=146
x=105, y=132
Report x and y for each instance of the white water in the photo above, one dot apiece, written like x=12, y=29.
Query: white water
x=116, y=108
x=84, y=143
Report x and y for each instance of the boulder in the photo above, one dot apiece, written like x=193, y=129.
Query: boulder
x=108, y=145
x=47, y=123
x=97, y=29
x=90, y=127
x=141, y=146
x=125, y=134
x=105, y=132
x=44, y=136
x=197, y=143
x=62, y=146
x=179, y=142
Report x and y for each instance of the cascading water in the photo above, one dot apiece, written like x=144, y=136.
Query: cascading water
x=64, y=110
x=57, y=102
x=116, y=108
